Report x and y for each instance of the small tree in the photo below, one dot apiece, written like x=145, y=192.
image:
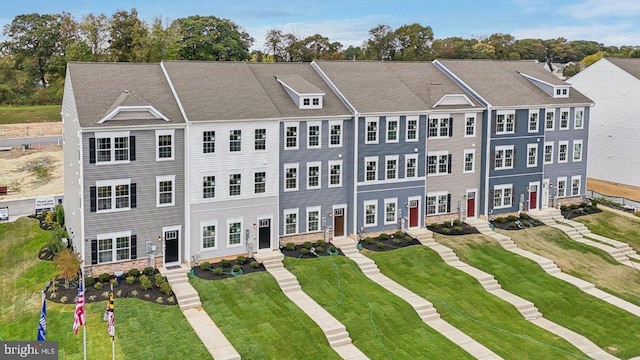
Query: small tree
x=67, y=264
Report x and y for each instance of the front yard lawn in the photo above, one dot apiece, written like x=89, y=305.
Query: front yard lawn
x=614, y=226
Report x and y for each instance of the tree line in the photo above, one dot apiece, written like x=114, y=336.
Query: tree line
x=33, y=58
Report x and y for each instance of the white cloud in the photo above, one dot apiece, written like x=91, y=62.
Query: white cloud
x=602, y=9
x=619, y=33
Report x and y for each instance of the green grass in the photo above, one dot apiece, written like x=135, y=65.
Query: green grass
x=609, y=327
x=457, y=296
x=614, y=226
x=381, y=325
x=260, y=321
x=144, y=330
x=29, y=114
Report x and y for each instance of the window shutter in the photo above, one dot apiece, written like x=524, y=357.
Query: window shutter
x=132, y=148
x=493, y=159
x=450, y=127
x=449, y=165
x=92, y=150
x=514, y=157
x=93, y=199
x=134, y=247
x=94, y=252
x=494, y=122
x=448, y=203
x=134, y=200
x=515, y=122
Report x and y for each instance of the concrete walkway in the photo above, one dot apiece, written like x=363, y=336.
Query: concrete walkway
x=552, y=269
x=189, y=302
x=335, y=332
x=423, y=308
x=525, y=307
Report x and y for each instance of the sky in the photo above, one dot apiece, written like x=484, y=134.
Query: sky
x=610, y=22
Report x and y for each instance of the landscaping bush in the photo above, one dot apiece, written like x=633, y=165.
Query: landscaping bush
x=383, y=236
x=457, y=223
x=236, y=268
x=320, y=242
x=134, y=272
x=457, y=228
x=524, y=216
x=145, y=283
x=380, y=245
x=130, y=280
x=501, y=220
x=594, y=203
x=148, y=271
x=408, y=238
x=89, y=281
x=446, y=231
x=218, y=271
x=304, y=251
x=333, y=249
x=399, y=234
x=446, y=224
x=104, y=277
x=307, y=245
x=159, y=279
x=368, y=240
x=396, y=241
x=511, y=218
x=205, y=266
x=574, y=206
x=254, y=264
x=97, y=285
x=241, y=260
x=225, y=263
x=319, y=249
x=435, y=226
x=165, y=288
x=290, y=246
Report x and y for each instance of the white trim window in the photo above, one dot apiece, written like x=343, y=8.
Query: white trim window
x=314, y=175
x=548, y=152
x=533, y=121
x=577, y=150
x=208, y=187
x=234, y=235
x=391, y=167
x=562, y=187
x=291, y=136
x=260, y=139
x=335, y=133
x=550, y=119
x=503, y=158
x=393, y=124
x=290, y=221
x=290, y=177
x=411, y=166
x=165, y=190
x=370, y=213
x=505, y=122
x=438, y=163
x=313, y=218
x=532, y=155
x=390, y=211
x=165, y=145
x=371, y=130
x=113, y=195
x=208, y=142
x=564, y=119
x=371, y=168
x=235, y=140
x=235, y=184
x=412, y=128
x=112, y=147
x=563, y=151
x=440, y=127
x=578, y=118
x=470, y=125
x=575, y=185
x=437, y=203
x=114, y=247
x=314, y=135
x=260, y=182
x=209, y=235
x=469, y=161
x=502, y=196
x=335, y=173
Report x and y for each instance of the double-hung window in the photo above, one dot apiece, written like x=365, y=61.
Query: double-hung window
x=438, y=163
x=112, y=147
x=505, y=122
x=209, y=235
x=502, y=196
x=550, y=119
x=313, y=135
x=260, y=139
x=290, y=177
x=235, y=140
x=390, y=211
x=577, y=150
x=260, y=182
x=208, y=142
x=371, y=131
x=290, y=221
x=533, y=121
x=411, y=165
x=335, y=133
x=470, y=125
x=532, y=155
x=371, y=168
x=209, y=187
x=235, y=184
x=370, y=213
x=291, y=136
x=437, y=203
x=313, y=219
x=503, y=158
x=575, y=185
x=391, y=169
x=114, y=195
x=548, y=152
x=313, y=175
x=440, y=127
x=166, y=191
x=392, y=129
x=578, y=119
x=234, y=237
x=165, y=144
x=564, y=119
x=469, y=161
x=562, y=187
x=335, y=173
x=412, y=128
x=563, y=149
x=114, y=247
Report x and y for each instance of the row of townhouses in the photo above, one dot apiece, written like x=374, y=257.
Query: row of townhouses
x=177, y=161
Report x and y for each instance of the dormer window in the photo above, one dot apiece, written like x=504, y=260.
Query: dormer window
x=305, y=94
x=316, y=101
x=561, y=92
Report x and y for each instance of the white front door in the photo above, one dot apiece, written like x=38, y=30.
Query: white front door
x=544, y=199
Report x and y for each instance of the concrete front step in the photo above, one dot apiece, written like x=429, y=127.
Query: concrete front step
x=190, y=304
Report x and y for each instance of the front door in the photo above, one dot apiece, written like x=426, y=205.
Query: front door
x=413, y=213
x=471, y=204
x=264, y=234
x=533, y=197
x=545, y=194
x=171, y=243
x=338, y=222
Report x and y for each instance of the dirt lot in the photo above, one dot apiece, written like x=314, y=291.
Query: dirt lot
x=31, y=173
x=614, y=189
x=35, y=129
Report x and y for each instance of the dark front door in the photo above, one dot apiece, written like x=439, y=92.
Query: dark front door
x=413, y=213
x=338, y=222
x=533, y=197
x=264, y=234
x=471, y=204
x=171, y=242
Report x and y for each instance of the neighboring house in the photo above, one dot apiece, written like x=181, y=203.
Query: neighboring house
x=123, y=165
x=614, y=128
x=531, y=116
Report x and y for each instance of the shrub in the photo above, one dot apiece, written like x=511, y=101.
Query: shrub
x=368, y=240
x=148, y=271
x=236, y=268
x=446, y=231
x=159, y=279
x=290, y=246
x=524, y=216
x=241, y=260
x=97, y=285
x=119, y=293
x=159, y=300
x=501, y=220
x=93, y=297
x=594, y=203
x=134, y=272
x=319, y=249
x=63, y=299
x=134, y=293
x=399, y=234
x=104, y=277
x=435, y=226
x=254, y=264
x=165, y=288
x=225, y=263
x=511, y=218
x=307, y=245
x=218, y=271
x=320, y=242
x=114, y=282
x=380, y=245
x=457, y=228
x=333, y=249
x=171, y=300
x=205, y=266
x=446, y=224
x=89, y=281
x=408, y=238
x=457, y=223
x=383, y=236
x=304, y=251
x=130, y=280
x=574, y=206
x=396, y=241
x=564, y=208
x=145, y=283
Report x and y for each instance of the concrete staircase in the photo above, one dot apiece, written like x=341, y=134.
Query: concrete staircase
x=335, y=332
x=186, y=295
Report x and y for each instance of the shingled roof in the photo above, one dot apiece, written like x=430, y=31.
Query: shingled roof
x=632, y=66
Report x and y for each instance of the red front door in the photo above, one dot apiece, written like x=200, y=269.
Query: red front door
x=471, y=205
x=413, y=213
x=533, y=200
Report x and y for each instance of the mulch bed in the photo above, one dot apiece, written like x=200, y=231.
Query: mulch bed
x=227, y=271
x=516, y=223
x=574, y=211
x=390, y=242
x=297, y=252
x=461, y=229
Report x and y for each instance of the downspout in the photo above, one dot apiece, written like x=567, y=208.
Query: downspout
x=356, y=117
x=487, y=164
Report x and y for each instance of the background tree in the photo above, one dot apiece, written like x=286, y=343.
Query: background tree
x=453, y=48
x=413, y=42
x=353, y=53
x=570, y=70
x=559, y=50
x=126, y=32
x=94, y=30
x=381, y=43
x=211, y=38
x=530, y=49
x=275, y=43
x=502, y=45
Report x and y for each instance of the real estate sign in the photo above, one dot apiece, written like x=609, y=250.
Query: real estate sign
x=43, y=203
x=4, y=213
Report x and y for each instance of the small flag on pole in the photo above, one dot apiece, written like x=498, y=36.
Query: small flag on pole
x=78, y=315
x=42, y=327
x=111, y=325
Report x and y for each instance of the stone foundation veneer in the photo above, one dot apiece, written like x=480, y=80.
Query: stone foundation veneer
x=111, y=268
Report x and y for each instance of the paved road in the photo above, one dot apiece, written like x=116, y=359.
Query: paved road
x=41, y=140
x=24, y=206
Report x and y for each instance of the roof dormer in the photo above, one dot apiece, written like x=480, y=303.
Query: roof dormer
x=303, y=93
x=554, y=90
x=129, y=106
x=455, y=100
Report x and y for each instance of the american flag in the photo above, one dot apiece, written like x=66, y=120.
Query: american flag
x=42, y=326
x=78, y=315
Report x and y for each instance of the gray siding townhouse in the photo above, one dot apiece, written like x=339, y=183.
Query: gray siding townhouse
x=124, y=166
x=530, y=121
x=391, y=103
